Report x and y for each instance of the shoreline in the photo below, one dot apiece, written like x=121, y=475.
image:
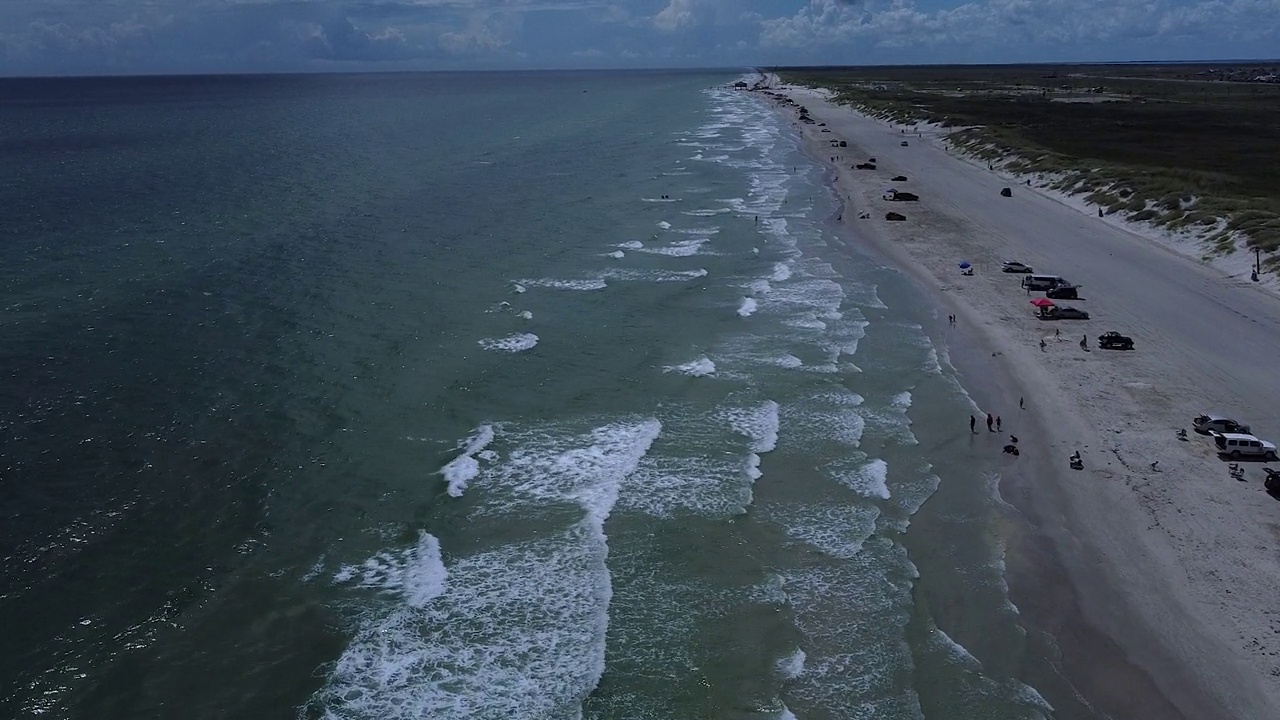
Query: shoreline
x=1135, y=640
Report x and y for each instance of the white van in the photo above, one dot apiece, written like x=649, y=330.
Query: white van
x=1238, y=444
x=1042, y=282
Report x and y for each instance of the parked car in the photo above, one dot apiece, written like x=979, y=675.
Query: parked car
x=1236, y=445
x=1065, y=292
x=1205, y=424
x=1113, y=340
x=1061, y=312
x=1013, y=266
x=1043, y=282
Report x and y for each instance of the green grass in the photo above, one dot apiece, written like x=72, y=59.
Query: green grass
x=1165, y=148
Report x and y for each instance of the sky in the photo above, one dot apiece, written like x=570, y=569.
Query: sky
x=74, y=37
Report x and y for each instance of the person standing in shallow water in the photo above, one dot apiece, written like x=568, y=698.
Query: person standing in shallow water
x=997, y=423
x=990, y=421
x=973, y=422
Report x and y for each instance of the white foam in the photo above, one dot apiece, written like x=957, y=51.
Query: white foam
x=655, y=275
x=520, y=630
x=518, y=287
x=786, y=714
x=464, y=468
x=695, y=368
x=747, y=307
x=838, y=530
x=518, y=342
x=791, y=666
x=660, y=200
x=707, y=213
x=664, y=224
x=679, y=249
x=631, y=245
x=870, y=479
x=781, y=271
x=760, y=424
x=557, y=284
x=617, y=254
x=760, y=287
x=902, y=400
x=418, y=573
x=525, y=314
x=314, y=572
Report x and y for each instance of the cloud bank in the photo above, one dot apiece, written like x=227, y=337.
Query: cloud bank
x=146, y=36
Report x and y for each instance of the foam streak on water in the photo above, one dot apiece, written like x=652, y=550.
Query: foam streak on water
x=462, y=469
x=520, y=629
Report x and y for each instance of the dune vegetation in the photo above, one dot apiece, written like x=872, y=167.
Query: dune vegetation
x=1168, y=145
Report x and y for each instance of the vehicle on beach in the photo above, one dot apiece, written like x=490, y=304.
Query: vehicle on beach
x=1237, y=445
x=1113, y=340
x=1061, y=312
x=904, y=143
x=895, y=195
x=1066, y=292
x=865, y=166
x=1043, y=282
x=1206, y=424
x=899, y=178
x=1013, y=266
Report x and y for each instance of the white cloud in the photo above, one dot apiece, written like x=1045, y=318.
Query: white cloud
x=902, y=23
x=678, y=14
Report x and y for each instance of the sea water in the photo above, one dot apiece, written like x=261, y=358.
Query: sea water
x=475, y=396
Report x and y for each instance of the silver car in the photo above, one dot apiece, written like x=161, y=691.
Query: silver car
x=1205, y=424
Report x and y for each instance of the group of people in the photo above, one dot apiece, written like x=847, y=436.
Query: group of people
x=994, y=424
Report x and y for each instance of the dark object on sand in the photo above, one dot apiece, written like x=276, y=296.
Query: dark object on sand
x=1006, y=192
x=1115, y=341
x=904, y=143
x=844, y=144
x=1065, y=292
x=865, y=166
x=871, y=160
x=1272, y=483
x=900, y=178
x=1076, y=462
x=894, y=216
x=899, y=196
x=1011, y=449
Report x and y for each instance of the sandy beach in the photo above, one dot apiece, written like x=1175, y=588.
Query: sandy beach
x=1156, y=570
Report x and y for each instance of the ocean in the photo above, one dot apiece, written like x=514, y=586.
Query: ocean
x=540, y=395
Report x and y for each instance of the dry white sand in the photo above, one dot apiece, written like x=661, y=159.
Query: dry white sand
x=1179, y=566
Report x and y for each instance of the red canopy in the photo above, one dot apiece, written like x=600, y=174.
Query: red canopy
x=1042, y=302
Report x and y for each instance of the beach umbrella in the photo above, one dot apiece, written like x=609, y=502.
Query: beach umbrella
x=964, y=264
x=1042, y=302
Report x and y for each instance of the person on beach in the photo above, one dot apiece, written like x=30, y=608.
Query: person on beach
x=1084, y=342
x=1021, y=406
x=1041, y=344
x=973, y=422
x=990, y=422
x=997, y=423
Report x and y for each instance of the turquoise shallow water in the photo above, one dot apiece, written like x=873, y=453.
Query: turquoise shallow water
x=478, y=396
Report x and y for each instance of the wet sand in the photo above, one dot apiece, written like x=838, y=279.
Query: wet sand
x=1158, y=582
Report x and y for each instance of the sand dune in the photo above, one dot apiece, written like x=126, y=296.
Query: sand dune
x=1178, y=565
